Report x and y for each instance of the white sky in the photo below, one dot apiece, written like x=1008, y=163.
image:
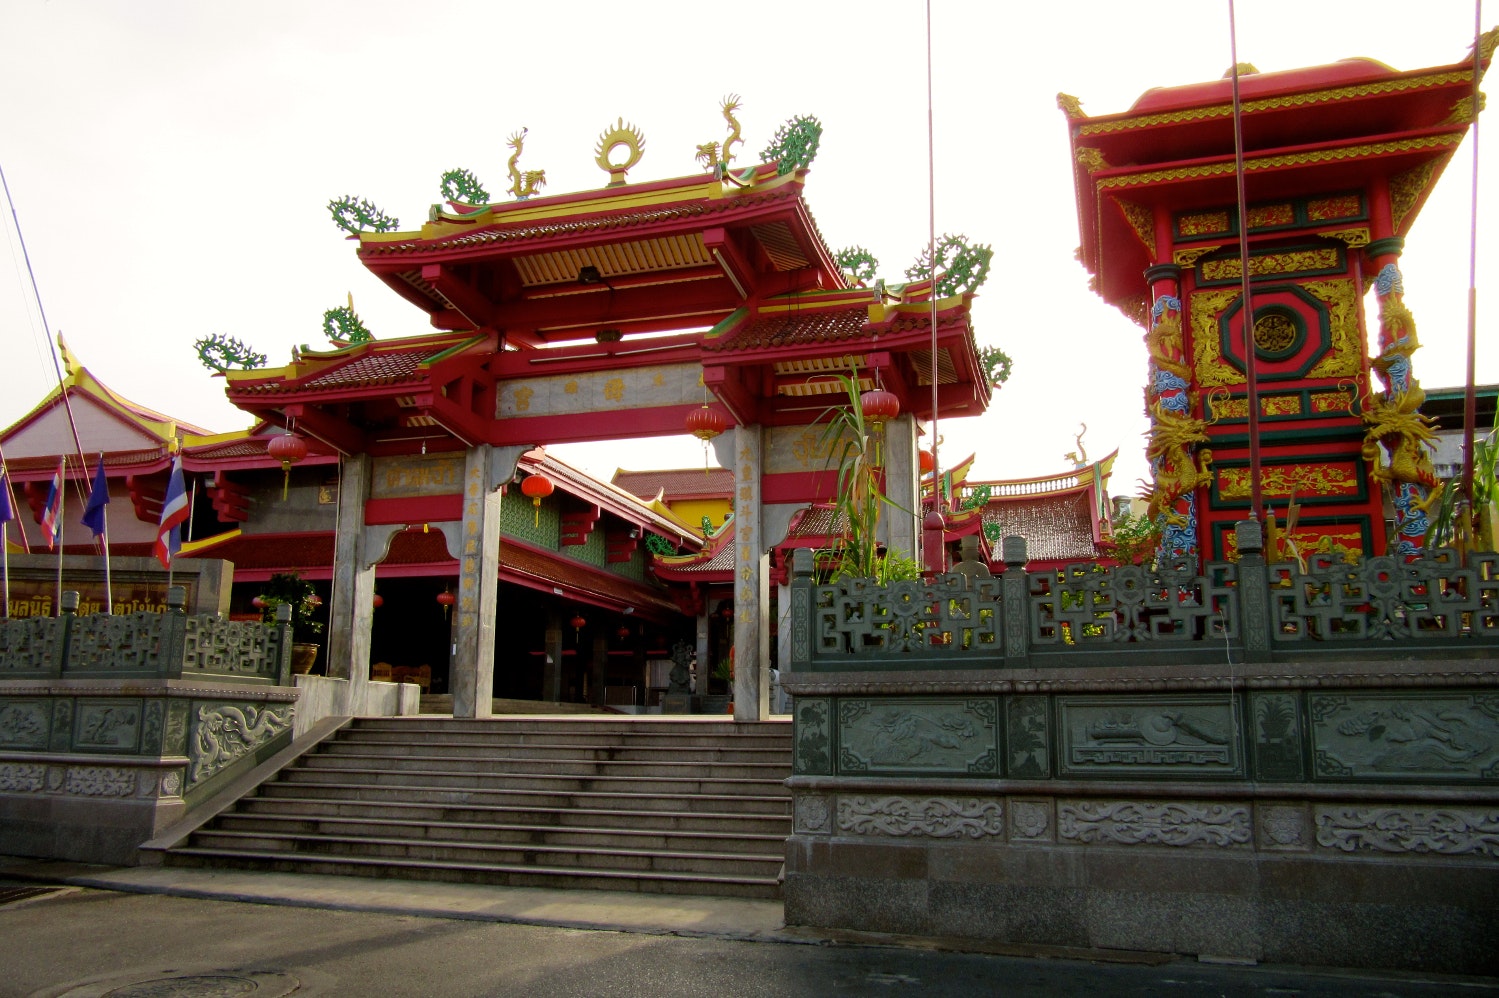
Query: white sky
x=170, y=163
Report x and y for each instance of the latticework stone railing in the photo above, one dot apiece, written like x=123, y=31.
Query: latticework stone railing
x=1243, y=612
x=169, y=645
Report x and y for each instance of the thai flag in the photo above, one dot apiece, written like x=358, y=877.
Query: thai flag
x=52, y=512
x=174, y=511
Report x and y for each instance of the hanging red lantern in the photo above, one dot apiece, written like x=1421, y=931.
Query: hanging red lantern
x=447, y=600
x=537, y=487
x=623, y=632
x=577, y=622
x=288, y=448
x=257, y=603
x=378, y=601
x=314, y=601
x=927, y=461
x=879, y=406
x=706, y=423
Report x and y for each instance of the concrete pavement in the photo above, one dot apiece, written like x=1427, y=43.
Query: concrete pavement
x=168, y=928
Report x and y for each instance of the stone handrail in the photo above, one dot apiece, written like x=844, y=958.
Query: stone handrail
x=171, y=645
x=1243, y=612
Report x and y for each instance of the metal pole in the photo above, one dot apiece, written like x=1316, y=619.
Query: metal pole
x=1246, y=313
x=1470, y=400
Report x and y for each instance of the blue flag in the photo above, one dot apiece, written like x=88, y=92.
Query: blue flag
x=7, y=512
x=98, y=498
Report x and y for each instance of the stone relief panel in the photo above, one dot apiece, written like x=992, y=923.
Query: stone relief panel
x=119, y=643
x=225, y=732
x=174, y=736
x=1448, y=831
x=921, y=817
x=151, y=727
x=1031, y=821
x=1275, y=729
x=99, y=781
x=24, y=724
x=899, y=735
x=62, y=725
x=813, y=745
x=107, y=725
x=1409, y=735
x=171, y=783
x=1153, y=736
x=813, y=814
x=26, y=778
x=1151, y=823
x=1283, y=827
x=1027, y=724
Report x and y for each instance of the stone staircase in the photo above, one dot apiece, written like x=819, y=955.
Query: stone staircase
x=684, y=807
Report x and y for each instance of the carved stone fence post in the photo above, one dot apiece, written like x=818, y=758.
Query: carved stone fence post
x=801, y=610
x=1015, y=603
x=1254, y=591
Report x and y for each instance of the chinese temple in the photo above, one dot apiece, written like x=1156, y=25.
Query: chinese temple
x=709, y=304
x=1337, y=162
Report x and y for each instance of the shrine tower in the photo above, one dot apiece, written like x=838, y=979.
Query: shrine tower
x=1338, y=160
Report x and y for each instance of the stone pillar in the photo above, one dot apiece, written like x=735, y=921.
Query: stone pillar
x=478, y=586
x=751, y=687
x=599, y=671
x=783, y=635
x=551, y=682
x=704, y=653
x=901, y=519
x=352, y=613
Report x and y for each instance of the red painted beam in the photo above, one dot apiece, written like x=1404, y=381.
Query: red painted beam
x=418, y=509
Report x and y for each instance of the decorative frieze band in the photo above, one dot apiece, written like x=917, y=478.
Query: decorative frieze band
x=925, y=817
x=1142, y=823
x=1443, y=830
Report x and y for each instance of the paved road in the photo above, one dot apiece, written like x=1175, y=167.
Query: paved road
x=88, y=942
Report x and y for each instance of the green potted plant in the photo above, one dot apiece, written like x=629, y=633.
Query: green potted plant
x=295, y=591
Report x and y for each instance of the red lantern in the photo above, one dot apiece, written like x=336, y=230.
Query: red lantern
x=927, y=461
x=288, y=448
x=705, y=424
x=537, y=487
x=314, y=601
x=623, y=632
x=258, y=603
x=577, y=623
x=879, y=406
x=378, y=601
x=447, y=600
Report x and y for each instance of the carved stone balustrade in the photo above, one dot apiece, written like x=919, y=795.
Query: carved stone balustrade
x=1256, y=761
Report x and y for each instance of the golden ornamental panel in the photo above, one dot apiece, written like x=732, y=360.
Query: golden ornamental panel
x=1338, y=401
x=1349, y=237
x=1142, y=220
x=1269, y=215
x=1189, y=257
x=1205, y=223
x=1341, y=206
x=1406, y=189
x=1270, y=405
x=1207, y=352
x=1284, y=481
x=1269, y=264
x=1345, y=355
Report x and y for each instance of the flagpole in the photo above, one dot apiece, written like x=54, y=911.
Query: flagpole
x=62, y=503
x=109, y=593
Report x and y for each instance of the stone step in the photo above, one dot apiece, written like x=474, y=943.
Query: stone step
x=736, y=823
x=505, y=736
x=491, y=748
x=507, y=765
x=578, y=858
x=448, y=796
x=698, y=784
x=534, y=876
x=510, y=833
